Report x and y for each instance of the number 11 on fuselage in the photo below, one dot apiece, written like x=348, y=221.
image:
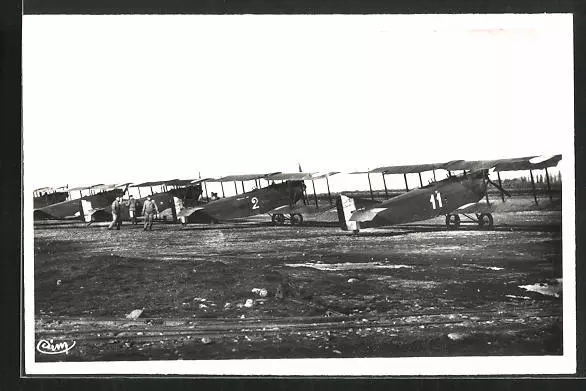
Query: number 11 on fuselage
x=433, y=197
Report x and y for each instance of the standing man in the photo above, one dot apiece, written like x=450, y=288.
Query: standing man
x=149, y=209
x=132, y=209
x=116, y=209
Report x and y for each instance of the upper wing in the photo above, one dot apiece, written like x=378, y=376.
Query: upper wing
x=513, y=164
x=299, y=176
x=528, y=163
x=79, y=188
x=240, y=177
x=154, y=183
x=405, y=169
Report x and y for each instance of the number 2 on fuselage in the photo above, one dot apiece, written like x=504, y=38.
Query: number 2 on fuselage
x=254, y=202
x=436, y=196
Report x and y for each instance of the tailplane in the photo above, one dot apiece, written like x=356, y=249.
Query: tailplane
x=346, y=207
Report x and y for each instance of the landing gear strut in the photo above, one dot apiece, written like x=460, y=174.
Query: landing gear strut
x=278, y=219
x=453, y=221
x=485, y=220
x=294, y=218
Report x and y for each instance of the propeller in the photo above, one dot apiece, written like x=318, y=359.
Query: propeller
x=303, y=192
x=293, y=187
x=484, y=174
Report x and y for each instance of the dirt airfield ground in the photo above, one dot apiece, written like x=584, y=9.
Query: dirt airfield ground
x=415, y=290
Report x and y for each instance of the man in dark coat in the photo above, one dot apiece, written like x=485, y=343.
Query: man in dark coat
x=149, y=209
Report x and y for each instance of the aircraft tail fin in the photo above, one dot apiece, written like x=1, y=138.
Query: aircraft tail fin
x=87, y=209
x=346, y=207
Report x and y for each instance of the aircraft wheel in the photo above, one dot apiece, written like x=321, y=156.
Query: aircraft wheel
x=296, y=219
x=453, y=221
x=485, y=220
x=278, y=219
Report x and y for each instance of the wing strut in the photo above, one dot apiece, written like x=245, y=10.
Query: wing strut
x=370, y=186
x=330, y=195
x=420, y=181
x=484, y=178
x=206, y=189
x=533, y=185
x=314, y=195
x=406, y=185
x=290, y=194
x=499, y=187
x=498, y=174
x=548, y=186
x=222, y=185
x=385, y=183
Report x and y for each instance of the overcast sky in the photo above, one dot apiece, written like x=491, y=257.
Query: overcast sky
x=110, y=99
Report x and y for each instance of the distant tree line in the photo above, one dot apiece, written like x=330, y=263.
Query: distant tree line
x=524, y=182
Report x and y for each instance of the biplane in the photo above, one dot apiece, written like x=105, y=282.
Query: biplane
x=278, y=199
x=451, y=197
x=45, y=196
x=86, y=206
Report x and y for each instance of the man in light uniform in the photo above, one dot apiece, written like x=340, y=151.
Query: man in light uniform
x=116, y=218
x=149, y=209
x=132, y=209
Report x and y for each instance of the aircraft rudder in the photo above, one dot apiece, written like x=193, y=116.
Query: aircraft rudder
x=346, y=206
x=86, y=207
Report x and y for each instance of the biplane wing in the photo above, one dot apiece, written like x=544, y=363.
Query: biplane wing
x=528, y=163
x=241, y=177
x=300, y=176
x=511, y=164
x=404, y=169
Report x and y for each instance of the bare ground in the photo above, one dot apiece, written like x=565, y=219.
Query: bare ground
x=412, y=291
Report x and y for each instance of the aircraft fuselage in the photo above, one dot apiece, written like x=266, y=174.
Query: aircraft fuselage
x=438, y=199
x=251, y=203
